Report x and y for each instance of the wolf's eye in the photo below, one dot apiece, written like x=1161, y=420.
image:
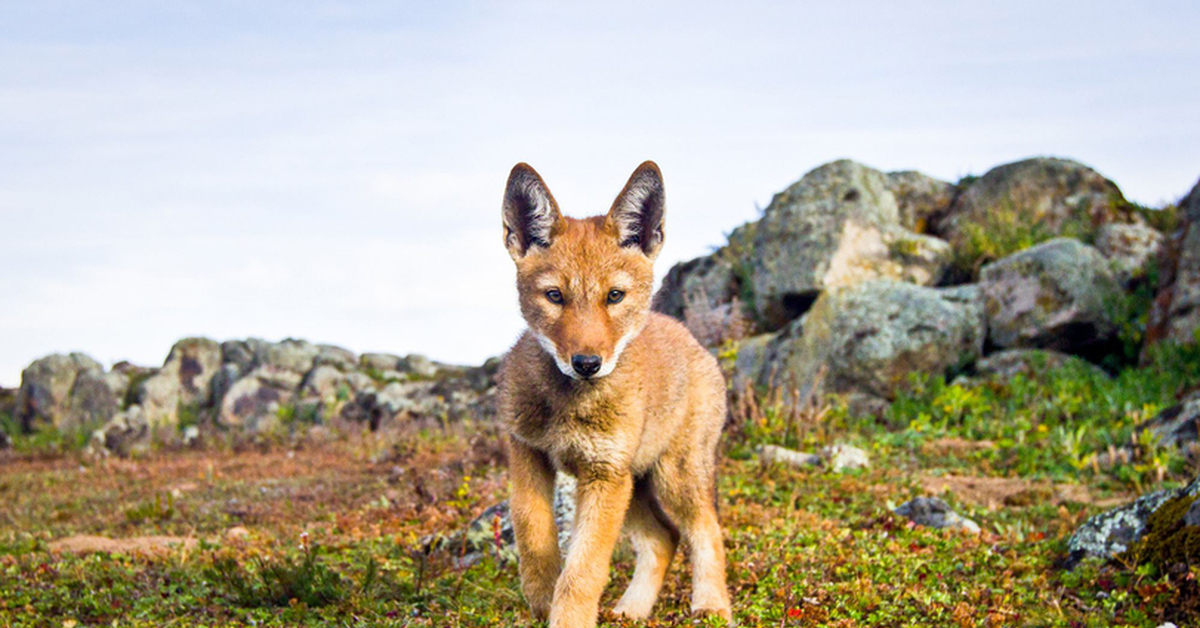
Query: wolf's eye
x=554, y=296
x=615, y=296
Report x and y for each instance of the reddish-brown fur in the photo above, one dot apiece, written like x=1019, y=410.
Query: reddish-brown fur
x=640, y=436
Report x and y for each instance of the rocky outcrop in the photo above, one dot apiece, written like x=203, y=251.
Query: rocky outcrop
x=840, y=224
x=1175, y=315
x=868, y=338
x=837, y=226
x=1060, y=196
x=249, y=386
x=1056, y=295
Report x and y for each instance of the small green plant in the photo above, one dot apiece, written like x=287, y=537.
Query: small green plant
x=158, y=510
x=283, y=581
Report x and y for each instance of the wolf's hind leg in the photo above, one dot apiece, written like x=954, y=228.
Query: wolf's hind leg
x=654, y=541
x=685, y=492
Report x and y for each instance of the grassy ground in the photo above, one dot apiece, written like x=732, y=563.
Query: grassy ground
x=327, y=532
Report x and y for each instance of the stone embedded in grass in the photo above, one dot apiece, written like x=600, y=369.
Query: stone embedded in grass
x=492, y=530
x=933, y=512
x=835, y=457
x=843, y=457
x=783, y=455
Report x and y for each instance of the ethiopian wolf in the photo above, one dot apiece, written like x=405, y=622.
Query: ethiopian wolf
x=622, y=398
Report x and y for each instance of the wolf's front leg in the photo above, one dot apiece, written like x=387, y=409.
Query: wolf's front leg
x=600, y=505
x=532, y=510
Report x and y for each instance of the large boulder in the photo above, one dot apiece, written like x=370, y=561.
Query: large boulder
x=46, y=388
x=1176, y=312
x=184, y=381
x=837, y=226
x=1060, y=197
x=869, y=337
x=1056, y=295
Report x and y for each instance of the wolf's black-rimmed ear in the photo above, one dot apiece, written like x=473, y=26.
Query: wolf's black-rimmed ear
x=529, y=211
x=640, y=209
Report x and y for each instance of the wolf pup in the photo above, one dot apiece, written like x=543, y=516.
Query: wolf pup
x=622, y=398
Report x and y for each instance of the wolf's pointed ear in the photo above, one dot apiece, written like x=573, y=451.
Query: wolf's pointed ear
x=640, y=209
x=530, y=213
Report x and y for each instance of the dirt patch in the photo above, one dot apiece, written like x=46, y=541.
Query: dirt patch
x=85, y=544
x=955, y=445
x=994, y=493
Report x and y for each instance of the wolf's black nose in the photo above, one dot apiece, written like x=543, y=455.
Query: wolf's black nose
x=585, y=365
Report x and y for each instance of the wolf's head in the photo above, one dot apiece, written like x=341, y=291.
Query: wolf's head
x=585, y=284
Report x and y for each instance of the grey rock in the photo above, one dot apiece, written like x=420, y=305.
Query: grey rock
x=289, y=354
x=782, y=455
x=418, y=366
x=1056, y=295
x=240, y=353
x=933, y=512
x=480, y=536
x=95, y=398
x=253, y=402
x=1131, y=247
x=185, y=379
x=869, y=337
x=920, y=198
x=1178, y=425
x=380, y=361
x=360, y=382
x=127, y=434
x=337, y=357
x=1011, y=362
x=1062, y=196
x=837, y=458
x=323, y=382
x=837, y=226
x=1176, y=312
x=754, y=361
x=709, y=282
x=845, y=457
x=46, y=386
x=1111, y=532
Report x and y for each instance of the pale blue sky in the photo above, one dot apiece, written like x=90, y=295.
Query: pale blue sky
x=334, y=172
